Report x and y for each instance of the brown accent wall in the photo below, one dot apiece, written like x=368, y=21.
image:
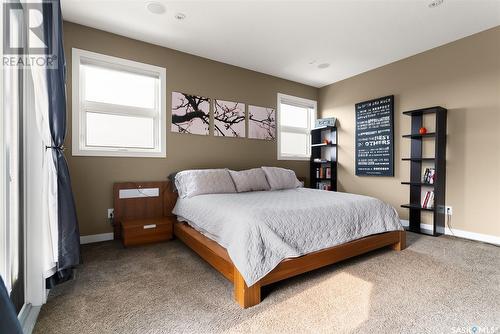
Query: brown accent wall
x=93, y=177
x=464, y=77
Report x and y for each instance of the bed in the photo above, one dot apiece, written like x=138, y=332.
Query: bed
x=260, y=237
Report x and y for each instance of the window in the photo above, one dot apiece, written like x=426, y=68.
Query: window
x=118, y=107
x=296, y=117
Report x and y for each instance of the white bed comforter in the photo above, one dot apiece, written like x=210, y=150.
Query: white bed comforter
x=259, y=229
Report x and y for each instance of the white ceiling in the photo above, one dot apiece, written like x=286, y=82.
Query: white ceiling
x=282, y=38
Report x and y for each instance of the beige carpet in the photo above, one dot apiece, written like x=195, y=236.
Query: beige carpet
x=436, y=285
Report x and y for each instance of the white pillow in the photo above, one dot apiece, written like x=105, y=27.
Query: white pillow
x=281, y=178
x=249, y=180
x=194, y=182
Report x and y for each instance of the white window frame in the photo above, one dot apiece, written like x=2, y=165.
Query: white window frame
x=79, y=108
x=299, y=102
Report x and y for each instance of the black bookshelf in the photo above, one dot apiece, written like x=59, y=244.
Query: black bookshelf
x=327, y=153
x=416, y=163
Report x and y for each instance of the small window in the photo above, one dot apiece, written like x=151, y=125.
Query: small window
x=296, y=117
x=118, y=107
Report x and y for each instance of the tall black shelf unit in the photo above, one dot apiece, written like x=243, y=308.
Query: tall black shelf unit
x=416, y=160
x=327, y=153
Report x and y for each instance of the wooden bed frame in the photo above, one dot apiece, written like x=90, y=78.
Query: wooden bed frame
x=246, y=296
x=217, y=256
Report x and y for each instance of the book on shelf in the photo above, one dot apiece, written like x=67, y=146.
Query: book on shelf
x=428, y=202
x=323, y=186
x=429, y=176
x=323, y=172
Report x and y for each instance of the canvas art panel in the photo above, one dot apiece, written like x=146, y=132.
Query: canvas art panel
x=261, y=123
x=229, y=119
x=190, y=114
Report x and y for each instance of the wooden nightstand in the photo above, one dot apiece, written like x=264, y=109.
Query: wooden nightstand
x=145, y=231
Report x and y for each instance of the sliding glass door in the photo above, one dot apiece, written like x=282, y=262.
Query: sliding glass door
x=14, y=186
x=12, y=224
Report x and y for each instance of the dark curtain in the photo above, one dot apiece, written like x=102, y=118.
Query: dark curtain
x=8, y=316
x=69, y=235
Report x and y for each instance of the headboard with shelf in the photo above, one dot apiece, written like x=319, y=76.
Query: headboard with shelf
x=140, y=200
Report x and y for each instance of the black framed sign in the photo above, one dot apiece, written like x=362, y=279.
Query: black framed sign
x=375, y=137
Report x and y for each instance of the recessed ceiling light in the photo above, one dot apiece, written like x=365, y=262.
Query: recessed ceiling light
x=155, y=7
x=180, y=16
x=323, y=65
x=435, y=3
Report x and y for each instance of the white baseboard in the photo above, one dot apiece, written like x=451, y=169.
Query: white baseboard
x=27, y=317
x=88, y=239
x=491, y=239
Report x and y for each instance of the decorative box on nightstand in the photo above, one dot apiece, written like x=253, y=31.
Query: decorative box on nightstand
x=145, y=231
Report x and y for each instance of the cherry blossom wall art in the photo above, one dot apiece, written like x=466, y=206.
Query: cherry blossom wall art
x=190, y=114
x=229, y=119
x=261, y=123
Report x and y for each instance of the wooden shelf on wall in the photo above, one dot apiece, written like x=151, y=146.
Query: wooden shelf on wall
x=324, y=128
x=418, y=135
x=324, y=151
x=323, y=144
x=321, y=162
x=416, y=162
x=422, y=184
x=420, y=112
x=418, y=159
x=416, y=207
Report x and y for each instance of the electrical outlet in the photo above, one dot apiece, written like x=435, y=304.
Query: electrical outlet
x=111, y=213
x=449, y=210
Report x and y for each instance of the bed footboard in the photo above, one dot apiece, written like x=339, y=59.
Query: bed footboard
x=401, y=244
x=247, y=296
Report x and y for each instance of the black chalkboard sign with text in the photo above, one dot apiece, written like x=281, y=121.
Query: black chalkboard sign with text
x=375, y=137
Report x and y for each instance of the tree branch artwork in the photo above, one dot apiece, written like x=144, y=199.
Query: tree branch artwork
x=261, y=123
x=229, y=119
x=190, y=114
